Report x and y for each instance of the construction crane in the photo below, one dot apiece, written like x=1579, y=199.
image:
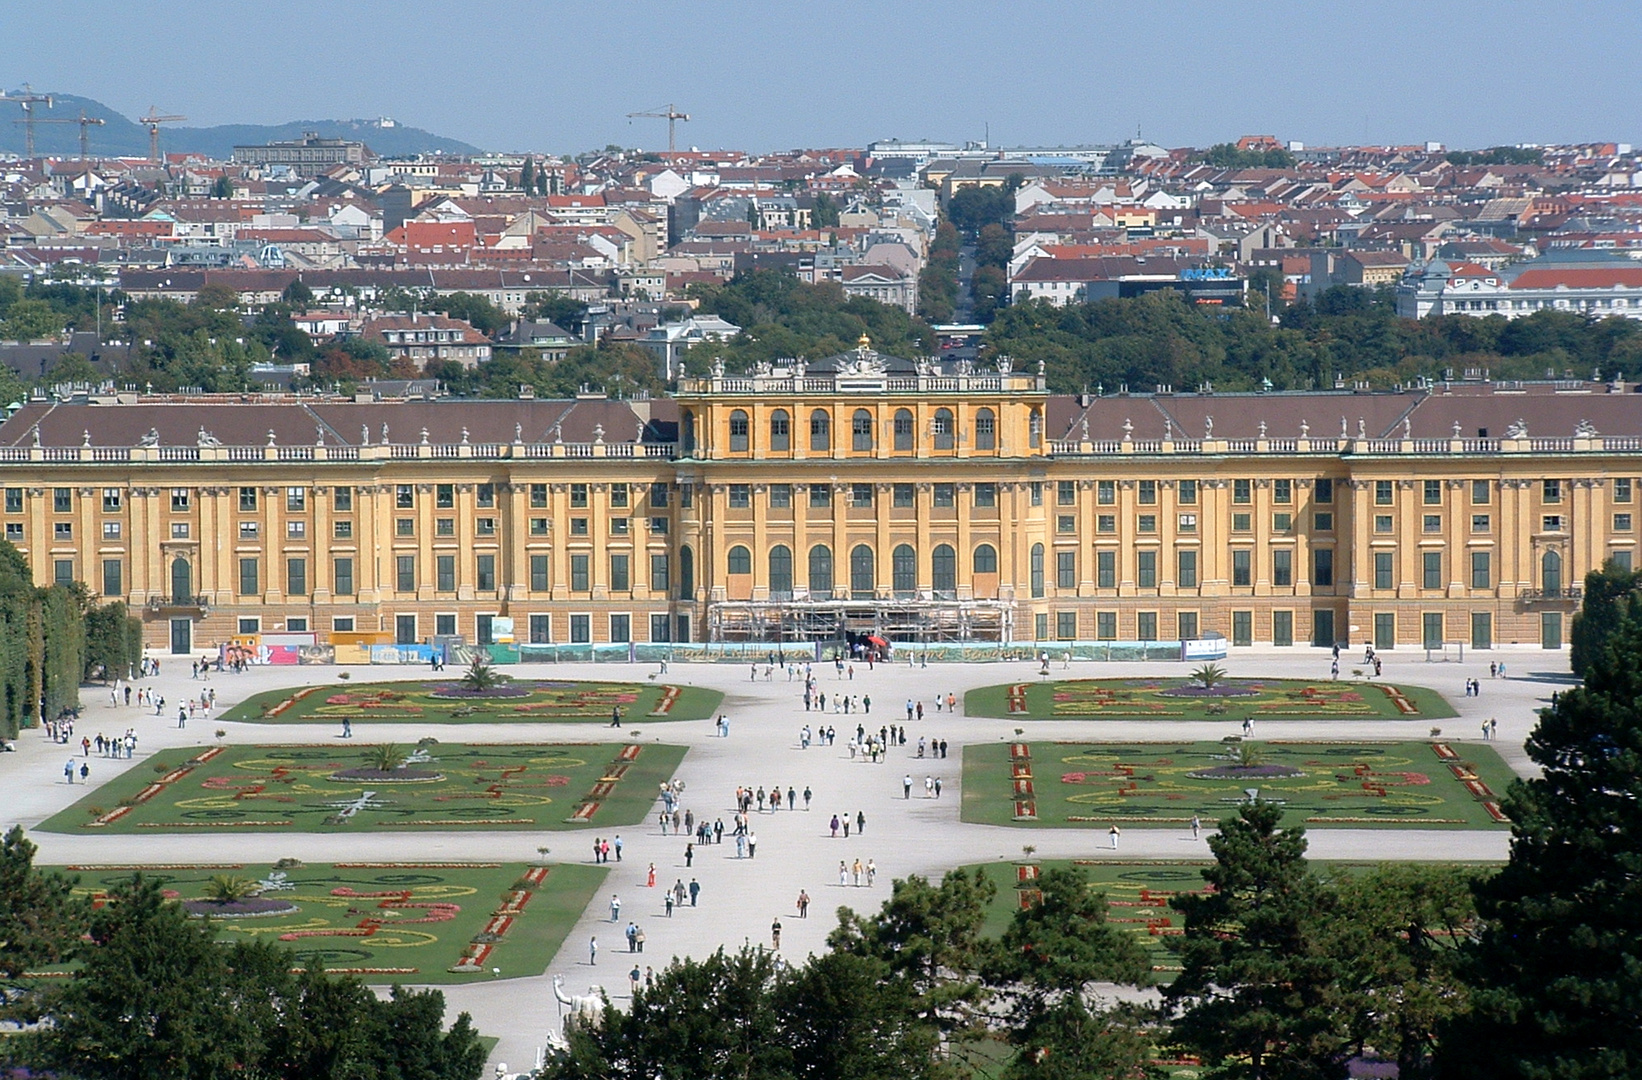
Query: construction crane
x=83, y=120
x=671, y=115
x=153, y=121
x=27, y=98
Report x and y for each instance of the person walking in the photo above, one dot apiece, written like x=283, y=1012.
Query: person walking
x=906, y=786
x=775, y=934
x=1114, y=832
x=347, y=728
x=843, y=873
x=617, y=847
x=937, y=787
x=872, y=872
x=695, y=891
x=835, y=826
x=860, y=823
x=633, y=979
x=1197, y=827
x=650, y=879
x=68, y=771
x=752, y=845
x=667, y=902
x=632, y=937
x=806, y=796
x=855, y=873
x=929, y=786
x=803, y=904
x=689, y=855
x=593, y=951
x=615, y=908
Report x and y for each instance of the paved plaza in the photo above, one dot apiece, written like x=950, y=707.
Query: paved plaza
x=796, y=850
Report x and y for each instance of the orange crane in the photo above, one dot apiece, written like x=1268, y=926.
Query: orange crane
x=83, y=120
x=153, y=121
x=27, y=98
x=671, y=115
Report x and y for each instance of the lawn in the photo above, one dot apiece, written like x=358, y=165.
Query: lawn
x=530, y=701
x=1420, y=784
x=394, y=922
x=1137, y=894
x=441, y=786
x=1179, y=698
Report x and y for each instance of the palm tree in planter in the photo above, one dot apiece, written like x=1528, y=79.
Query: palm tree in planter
x=230, y=888
x=1209, y=676
x=385, y=757
x=481, y=674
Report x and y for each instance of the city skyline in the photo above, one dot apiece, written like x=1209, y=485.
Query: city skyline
x=1051, y=75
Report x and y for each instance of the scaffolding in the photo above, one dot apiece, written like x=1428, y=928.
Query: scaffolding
x=913, y=619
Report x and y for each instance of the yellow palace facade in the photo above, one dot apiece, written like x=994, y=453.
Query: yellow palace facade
x=919, y=500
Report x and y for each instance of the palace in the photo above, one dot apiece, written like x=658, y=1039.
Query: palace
x=921, y=500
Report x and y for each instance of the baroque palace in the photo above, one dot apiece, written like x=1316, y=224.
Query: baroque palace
x=919, y=500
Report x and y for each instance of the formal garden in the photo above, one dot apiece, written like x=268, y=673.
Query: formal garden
x=498, y=701
x=1205, y=694
x=386, y=922
x=380, y=788
x=1365, y=784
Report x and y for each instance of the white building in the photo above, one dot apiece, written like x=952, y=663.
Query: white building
x=1596, y=289
x=669, y=340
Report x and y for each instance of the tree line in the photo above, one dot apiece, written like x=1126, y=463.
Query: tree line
x=53, y=638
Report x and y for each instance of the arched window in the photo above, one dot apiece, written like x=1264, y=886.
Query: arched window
x=903, y=429
x=738, y=432
x=862, y=582
x=943, y=429
x=740, y=560
x=820, y=570
x=182, y=581
x=780, y=430
x=820, y=430
x=1034, y=430
x=781, y=570
x=686, y=574
x=1037, y=571
x=943, y=569
x=903, y=570
x=986, y=559
x=986, y=430
x=1550, y=571
x=687, y=430
x=861, y=430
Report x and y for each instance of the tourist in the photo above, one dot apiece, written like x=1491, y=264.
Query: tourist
x=633, y=978
x=689, y=855
x=835, y=826
x=68, y=772
x=650, y=879
x=593, y=951
x=843, y=873
x=1114, y=832
x=806, y=796
x=860, y=822
x=695, y=891
x=667, y=902
x=937, y=787
x=1197, y=827
x=1493, y=730
x=872, y=872
x=929, y=786
x=752, y=845
x=617, y=847
x=803, y=904
x=615, y=908
x=775, y=931
x=906, y=786
x=855, y=873
x=792, y=798
x=632, y=937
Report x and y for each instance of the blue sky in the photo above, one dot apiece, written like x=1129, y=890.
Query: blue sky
x=560, y=75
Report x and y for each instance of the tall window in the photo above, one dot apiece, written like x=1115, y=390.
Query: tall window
x=1036, y=570
x=1106, y=569
x=1146, y=569
x=861, y=430
x=986, y=430
x=660, y=578
x=1550, y=571
x=944, y=429
x=1186, y=564
x=904, y=570
x=780, y=430
x=686, y=573
x=404, y=573
x=1034, y=430
x=182, y=581
x=820, y=570
x=1282, y=567
x=580, y=573
x=1066, y=569
x=820, y=430
x=621, y=573
x=1241, y=573
x=781, y=570
x=342, y=577
x=943, y=569
x=444, y=573
x=740, y=560
x=986, y=559
x=248, y=577
x=1322, y=567
x=113, y=578
x=540, y=573
x=296, y=576
x=862, y=581
x=738, y=431
x=903, y=429
x=1430, y=570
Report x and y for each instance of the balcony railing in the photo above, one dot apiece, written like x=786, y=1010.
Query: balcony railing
x=1572, y=594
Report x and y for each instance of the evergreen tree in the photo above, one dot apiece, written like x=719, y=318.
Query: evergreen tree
x=1608, y=592
x=527, y=176
x=843, y=1018
x=1257, y=997
x=40, y=920
x=1042, y=970
x=1557, y=971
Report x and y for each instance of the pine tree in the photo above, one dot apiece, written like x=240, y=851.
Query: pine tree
x=1258, y=996
x=527, y=176
x=1557, y=971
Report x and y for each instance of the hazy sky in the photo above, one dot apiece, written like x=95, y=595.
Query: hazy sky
x=560, y=75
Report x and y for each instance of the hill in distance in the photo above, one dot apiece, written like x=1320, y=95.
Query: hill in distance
x=120, y=136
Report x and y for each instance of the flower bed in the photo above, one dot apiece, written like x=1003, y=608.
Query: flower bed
x=1246, y=772
x=387, y=776
x=250, y=907
x=1219, y=690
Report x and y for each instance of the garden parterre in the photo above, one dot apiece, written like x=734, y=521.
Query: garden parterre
x=447, y=701
x=440, y=786
x=1420, y=784
x=1179, y=698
